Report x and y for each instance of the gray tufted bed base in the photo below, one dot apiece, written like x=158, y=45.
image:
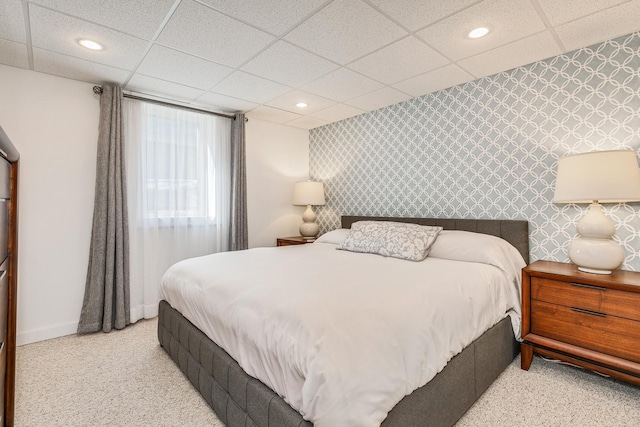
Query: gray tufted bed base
x=242, y=401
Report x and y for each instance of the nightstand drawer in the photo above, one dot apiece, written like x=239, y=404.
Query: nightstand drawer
x=588, y=297
x=603, y=333
x=290, y=241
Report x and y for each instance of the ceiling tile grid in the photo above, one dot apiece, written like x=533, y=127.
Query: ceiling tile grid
x=226, y=104
x=509, y=20
x=378, y=99
x=273, y=16
x=13, y=54
x=289, y=64
x=139, y=18
x=12, y=21
x=610, y=23
x=163, y=88
x=45, y=61
x=202, y=31
x=272, y=114
x=345, y=30
x=536, y=47
x=289, y=100
x=417, y=14
x=259, y=56
x=59, y=33
x=561, y=12
x=337, y=112
x=342, y=84
x=399, y=61
x=442, y=78
x=173, y=65
x=250, y=88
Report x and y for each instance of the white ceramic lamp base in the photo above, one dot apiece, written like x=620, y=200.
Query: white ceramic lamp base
x=594, y=251
x=309, y=229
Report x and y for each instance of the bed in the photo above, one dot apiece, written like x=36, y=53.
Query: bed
x=241, y=400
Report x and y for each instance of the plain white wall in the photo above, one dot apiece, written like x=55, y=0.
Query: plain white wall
x=277, y=157
x=53, y=122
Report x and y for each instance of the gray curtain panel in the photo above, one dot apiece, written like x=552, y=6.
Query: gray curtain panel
x=106, y=295
x=238, y=235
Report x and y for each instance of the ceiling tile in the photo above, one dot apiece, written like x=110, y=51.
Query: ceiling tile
x=14, y=54
x=415, y=14
x=341, y=85
x=225, y=103
x=271, y=114
x=611, y=23
x=57, y=64
x=163, y=89
x=273, y=16
x=179, y=67
x=442, y=78
x=345, y=30
x=399, y=61
x=560, y=12
x=59, y=33
x=344, y=57
x=201, y=31
x=531, y=49
x=140, y=18
x=306, y=122
x=12, y=21
x=249, y=87
x=289, y=65
x=337, y=112
x=509, y=20
x=378, y=99
x=289, y=100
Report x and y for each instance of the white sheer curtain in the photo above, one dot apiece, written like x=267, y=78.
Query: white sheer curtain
x=179, y=184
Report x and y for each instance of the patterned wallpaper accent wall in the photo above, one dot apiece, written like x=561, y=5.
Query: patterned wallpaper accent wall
x=489, y=148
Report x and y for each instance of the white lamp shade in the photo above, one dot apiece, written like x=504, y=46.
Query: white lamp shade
x=308, y=193
x=604, y=176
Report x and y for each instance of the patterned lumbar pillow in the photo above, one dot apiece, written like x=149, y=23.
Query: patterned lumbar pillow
x=392, y=239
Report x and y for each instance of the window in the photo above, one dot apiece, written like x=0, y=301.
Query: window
x=178, y=192
x=179, y=170
x=182, y=164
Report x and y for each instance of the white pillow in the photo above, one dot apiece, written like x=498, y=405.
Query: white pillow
x=477, y=247
x=391, y=239
x=335, y=237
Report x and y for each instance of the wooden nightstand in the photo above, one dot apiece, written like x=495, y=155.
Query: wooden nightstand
x=590, y=320
x=290, y=241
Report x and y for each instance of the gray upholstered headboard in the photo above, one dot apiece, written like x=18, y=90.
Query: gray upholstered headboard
x=515, y=232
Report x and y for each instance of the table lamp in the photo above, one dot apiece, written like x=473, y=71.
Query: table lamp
x=597, y=177
x=308, y=193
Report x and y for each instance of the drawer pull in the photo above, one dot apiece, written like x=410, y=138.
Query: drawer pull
x=582, y=285
x=594, y=313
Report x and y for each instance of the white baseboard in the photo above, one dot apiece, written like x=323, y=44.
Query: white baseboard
x=29, y=337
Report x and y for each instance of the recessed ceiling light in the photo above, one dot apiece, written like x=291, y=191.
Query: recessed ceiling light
x=90, y=44
x=301, y=105
x=478, y=32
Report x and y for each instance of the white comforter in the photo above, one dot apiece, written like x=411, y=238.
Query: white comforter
x=341, y=336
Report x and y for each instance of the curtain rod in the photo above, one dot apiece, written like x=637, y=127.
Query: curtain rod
x=98, y=91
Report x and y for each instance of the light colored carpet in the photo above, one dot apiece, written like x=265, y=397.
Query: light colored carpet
x=125, y=378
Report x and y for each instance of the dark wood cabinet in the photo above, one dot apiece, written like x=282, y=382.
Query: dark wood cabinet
x=8, y=275
x=590, y=320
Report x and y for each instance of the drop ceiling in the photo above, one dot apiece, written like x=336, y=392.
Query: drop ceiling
x=341, y=57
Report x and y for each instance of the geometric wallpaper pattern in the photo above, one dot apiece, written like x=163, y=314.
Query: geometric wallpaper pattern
x=489, y=148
